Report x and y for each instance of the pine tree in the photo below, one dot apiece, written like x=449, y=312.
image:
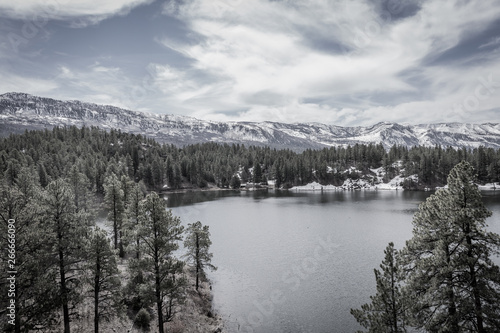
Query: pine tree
x=177, y=177
x=113, y=197
x=451, y=278
x=42, y=174
x=36, y=293
x=387, y=311
x=102, y=277
x=257, y=173
x=61, y=220
x=133, y=217
x=480, y=276
x=84, y=199
x=235, y=182
x=198, y=243
x=126, y=185
x=159, y=232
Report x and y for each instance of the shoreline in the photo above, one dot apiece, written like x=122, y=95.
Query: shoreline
x=316, y=187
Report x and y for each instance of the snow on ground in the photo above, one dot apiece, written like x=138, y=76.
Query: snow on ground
x=489, y=186
x=351, y=170
x=394, y=184
x=315, y=186
x=350, y=184
x=357, y=184
x=369, y=182
x=379, y=174
x=105, y=225
x=485, y=187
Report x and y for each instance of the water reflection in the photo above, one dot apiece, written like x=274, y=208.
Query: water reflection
x=194, y=197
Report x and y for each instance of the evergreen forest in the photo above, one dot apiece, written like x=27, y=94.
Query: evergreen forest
x=96, y=153
x=55, y=183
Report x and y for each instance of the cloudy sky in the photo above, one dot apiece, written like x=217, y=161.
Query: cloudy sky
x=345, y=62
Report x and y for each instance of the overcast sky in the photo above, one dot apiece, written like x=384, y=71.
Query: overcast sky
x=345, y=62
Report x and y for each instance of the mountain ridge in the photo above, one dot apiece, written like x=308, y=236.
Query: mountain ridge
x=20, y=111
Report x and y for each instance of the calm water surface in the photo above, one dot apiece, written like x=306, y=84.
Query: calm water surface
x=298, y=262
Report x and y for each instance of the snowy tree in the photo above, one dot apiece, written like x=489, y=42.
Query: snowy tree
x=454, y=284
x=198, y=243
x=387, y=311
x=126, y=184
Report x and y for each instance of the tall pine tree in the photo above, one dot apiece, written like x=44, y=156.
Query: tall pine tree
x=61, y=220
x=159, y=233
x=198, y=243
x=103, y=277
x=454, y=284
x=113, y=197
x=133, y=214
x=36, y=294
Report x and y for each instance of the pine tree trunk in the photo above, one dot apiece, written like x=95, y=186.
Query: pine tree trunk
x=475, y=291
x=115, y=223
x=197, y=260
x=452, y=308
x=122, y=250
x=159, y=302
x=96, y=295
x=394, y=307
x=64, y=291
x=137, y=253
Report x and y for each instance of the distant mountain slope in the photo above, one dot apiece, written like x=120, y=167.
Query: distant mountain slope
x=19, y=111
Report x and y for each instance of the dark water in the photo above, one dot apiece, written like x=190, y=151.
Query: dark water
x=298, y=262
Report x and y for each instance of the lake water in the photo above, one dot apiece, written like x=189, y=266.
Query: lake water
x=298, y=262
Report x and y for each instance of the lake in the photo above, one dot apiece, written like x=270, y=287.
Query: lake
x=299, y=261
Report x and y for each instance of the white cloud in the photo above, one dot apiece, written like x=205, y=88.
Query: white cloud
x=260, y=58
x=493, y=42
x=338, y=62
x=95, y=83
x=80, y=12
x=30, y=85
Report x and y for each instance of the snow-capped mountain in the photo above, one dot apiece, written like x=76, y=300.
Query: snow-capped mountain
x=19, y=111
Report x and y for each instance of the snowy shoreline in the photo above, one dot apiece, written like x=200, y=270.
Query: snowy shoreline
x=359, y=184
x=349, y=184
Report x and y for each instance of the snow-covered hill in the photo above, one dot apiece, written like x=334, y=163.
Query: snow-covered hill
x=19, y=111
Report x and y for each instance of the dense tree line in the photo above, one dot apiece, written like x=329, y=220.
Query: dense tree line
x=95, y=153
x=444, y=279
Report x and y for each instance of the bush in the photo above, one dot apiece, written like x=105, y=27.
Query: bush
x=142, y=319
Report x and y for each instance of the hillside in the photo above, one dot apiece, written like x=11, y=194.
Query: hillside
x=19, y=111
